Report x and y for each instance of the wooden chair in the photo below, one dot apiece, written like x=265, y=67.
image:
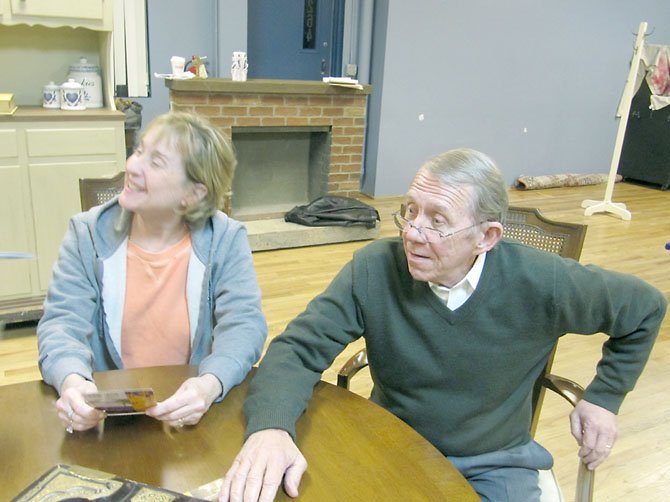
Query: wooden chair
x=529, y=226
x=96, y=191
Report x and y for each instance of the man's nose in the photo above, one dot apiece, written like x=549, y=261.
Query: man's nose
x=414, y=233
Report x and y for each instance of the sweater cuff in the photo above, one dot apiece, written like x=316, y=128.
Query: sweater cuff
x=270, y=420
x=604, y=397
x=228, y=373
x=65, y=367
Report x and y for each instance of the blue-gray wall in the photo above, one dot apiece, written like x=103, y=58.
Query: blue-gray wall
x=176, y=28
x=533, y=83
x=232, y=15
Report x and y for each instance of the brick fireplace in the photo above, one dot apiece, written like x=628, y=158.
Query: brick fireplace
x=316, y=124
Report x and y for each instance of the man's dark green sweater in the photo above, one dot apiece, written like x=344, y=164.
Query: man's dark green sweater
x=461, y=378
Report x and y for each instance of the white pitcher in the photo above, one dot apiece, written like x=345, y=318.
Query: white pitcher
x=239, y=67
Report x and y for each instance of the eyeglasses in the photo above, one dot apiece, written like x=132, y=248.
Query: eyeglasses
x=429, y=234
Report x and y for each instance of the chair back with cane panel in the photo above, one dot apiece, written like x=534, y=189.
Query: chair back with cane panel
x=96, y=191
x=530, y=227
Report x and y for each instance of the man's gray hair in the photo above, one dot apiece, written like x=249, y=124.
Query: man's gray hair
x=464, y=166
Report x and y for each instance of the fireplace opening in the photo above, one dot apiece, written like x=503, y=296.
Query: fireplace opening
x=278, y=168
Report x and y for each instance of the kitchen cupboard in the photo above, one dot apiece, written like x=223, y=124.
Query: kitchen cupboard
x=14, y=221
x=92, y=14
x=43, y=152
x=42, y=157
x=39, y=39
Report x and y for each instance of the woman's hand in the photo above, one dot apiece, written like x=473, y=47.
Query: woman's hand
x=189, y=403
x=73, y=411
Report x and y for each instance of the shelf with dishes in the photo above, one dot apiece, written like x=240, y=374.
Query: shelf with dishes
x=42, y=41
x=44, y=151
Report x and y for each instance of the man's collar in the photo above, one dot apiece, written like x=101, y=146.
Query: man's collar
x=471, y=278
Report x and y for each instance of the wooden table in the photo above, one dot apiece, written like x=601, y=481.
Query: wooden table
x=355, y=449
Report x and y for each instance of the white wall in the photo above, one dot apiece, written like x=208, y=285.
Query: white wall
x=480, y=72
x=232, y=28
x=533, y=83
x=176, y=28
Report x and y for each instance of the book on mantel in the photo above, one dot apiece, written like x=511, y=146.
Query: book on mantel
x=343, y=82
x=72, y=482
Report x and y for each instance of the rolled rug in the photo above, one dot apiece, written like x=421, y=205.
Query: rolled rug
x=560, y=180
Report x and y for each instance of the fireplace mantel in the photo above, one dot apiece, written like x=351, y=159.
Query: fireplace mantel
x=262, y=86
x=285, y=104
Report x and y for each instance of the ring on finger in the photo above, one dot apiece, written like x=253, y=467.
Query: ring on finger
x=608, y=446
x=180, y=422
x=70, y=428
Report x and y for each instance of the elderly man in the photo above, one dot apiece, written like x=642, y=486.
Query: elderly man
x=441, y=310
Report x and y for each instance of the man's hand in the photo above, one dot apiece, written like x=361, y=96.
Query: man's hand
x=73, y=411
x=595, y=429
x=189, y=403
x=266, y=457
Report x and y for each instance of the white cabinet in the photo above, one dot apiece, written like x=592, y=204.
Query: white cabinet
x=39, y=39
x=58, y=155
x=90, y=14
x=43, y=153
x=42, y=156
x=15, y=225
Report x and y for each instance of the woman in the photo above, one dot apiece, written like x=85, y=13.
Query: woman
x=158, y=276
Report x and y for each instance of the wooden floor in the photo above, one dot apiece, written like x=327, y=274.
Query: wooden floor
x=639, y=467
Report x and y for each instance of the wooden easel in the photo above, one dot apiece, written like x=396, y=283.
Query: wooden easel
x=606, y=205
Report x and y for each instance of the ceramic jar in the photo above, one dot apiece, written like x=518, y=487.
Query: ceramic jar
x=72, y=96
x=51, y=96
x=88, y=75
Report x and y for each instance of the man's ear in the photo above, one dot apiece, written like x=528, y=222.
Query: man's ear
x=492, y=233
